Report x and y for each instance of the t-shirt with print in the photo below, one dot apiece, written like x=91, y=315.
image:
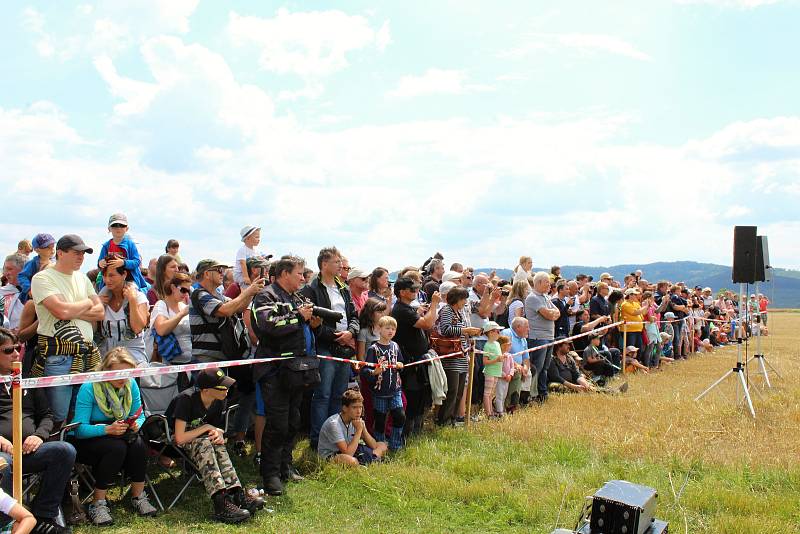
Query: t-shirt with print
x=492, y=351
x=206, y=344
x=73, y=288
x=182, y=332
x=115, y=329
x=332, y=432
x=243, y=253
x=541, y=328
x=188, y=407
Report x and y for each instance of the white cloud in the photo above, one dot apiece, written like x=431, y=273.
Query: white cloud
x=311, y=44
x=436, y=81
x=109, y=27
x=585, y=43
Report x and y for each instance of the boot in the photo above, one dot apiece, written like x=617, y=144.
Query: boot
x=273, y=486
x=247, y=501
x=226, y=511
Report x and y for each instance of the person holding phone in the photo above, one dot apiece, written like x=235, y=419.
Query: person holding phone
x=109, y=416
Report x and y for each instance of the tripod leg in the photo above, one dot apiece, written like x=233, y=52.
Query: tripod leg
x=746, y=394
x=764, y=370
x=712, y=386
x=773, y=368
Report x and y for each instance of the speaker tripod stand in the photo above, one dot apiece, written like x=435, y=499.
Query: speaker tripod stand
x=763, y=363
x=738, y=372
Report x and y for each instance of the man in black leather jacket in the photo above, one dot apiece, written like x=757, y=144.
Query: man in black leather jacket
x=285, y=327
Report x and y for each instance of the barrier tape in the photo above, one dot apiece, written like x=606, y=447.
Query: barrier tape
x=560, y=341
x=104, y=376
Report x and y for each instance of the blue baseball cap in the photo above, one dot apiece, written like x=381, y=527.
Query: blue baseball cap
x=42, y=241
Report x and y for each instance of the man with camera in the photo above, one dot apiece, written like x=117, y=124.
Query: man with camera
x=334, y=338
x=284, y=324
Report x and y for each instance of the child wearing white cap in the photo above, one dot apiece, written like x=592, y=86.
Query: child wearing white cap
x=251, y=237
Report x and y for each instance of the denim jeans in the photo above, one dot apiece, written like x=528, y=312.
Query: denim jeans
x=634, y=339
x=327, y=398
x=541, y=361
x=60, y=397
x=54, y=460
x=677, y=346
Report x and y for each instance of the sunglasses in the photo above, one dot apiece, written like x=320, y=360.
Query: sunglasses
x=117, y=225
x=184, y=290
x=8, y=351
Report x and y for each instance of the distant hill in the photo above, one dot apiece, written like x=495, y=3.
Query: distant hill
x=785, y=287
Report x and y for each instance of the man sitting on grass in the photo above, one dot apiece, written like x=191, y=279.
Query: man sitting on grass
x=341, y=434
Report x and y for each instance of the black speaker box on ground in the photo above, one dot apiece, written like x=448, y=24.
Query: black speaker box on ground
x=621, y=507
x=744, y=254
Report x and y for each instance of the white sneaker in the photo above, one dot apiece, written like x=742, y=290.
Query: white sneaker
x=142, y=505
x=100, y=514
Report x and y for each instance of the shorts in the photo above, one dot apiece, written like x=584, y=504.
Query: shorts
x=258, y=407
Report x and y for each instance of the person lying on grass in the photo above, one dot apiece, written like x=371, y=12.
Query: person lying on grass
x=341, y=435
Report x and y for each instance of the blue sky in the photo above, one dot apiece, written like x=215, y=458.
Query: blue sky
x=576, y=132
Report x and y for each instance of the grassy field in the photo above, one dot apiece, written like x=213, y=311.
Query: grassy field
x=716, y=469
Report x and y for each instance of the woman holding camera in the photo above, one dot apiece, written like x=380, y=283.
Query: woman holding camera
x=110, y=414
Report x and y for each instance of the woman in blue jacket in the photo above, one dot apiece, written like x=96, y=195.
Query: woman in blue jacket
x=110, y=414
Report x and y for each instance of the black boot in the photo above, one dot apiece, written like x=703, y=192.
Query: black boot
x=226, y=511
x=243, y=499
x=273, y=486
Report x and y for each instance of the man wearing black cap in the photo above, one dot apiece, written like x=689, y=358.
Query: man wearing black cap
x=66, y=306
x=199, y=428
x=411, y=327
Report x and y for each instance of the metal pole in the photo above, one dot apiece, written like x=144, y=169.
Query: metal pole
x=470, y=376
x=16, y=430
x=624, y=345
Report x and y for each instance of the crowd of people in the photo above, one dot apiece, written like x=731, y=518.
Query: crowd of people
x=356, y=364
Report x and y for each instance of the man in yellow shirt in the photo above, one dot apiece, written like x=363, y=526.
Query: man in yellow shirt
x=632, y=313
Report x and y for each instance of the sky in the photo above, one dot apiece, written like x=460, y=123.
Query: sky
x=591, y=133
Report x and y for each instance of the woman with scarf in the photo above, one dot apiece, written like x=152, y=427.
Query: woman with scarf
x=110, y=414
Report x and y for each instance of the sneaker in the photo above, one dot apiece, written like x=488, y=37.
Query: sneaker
x=239, y=449
x=257, y=459
x=142, y=505
x=46, y=525
x=100, y=514
x=459, y=421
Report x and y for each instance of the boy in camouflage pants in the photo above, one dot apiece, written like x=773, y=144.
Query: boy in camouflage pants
x=199, y=417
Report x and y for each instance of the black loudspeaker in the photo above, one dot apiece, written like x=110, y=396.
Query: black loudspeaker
x=744, y=254
x=621, y=507
x=763, y=268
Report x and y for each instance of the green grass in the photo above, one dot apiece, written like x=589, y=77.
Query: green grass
x=715, y=469
x=455, y=480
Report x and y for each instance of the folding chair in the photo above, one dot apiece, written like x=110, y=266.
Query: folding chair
x=157, y=434
x=30, y=480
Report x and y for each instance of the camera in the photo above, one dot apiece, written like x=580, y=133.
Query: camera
x=505, y=292
x=326, y=315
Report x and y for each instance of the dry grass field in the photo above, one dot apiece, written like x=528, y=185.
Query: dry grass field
x=716, y=469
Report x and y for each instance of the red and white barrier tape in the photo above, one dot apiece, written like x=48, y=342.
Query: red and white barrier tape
x=104, y=376
x=565, y=340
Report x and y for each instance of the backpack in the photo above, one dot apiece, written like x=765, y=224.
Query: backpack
x=231, y=331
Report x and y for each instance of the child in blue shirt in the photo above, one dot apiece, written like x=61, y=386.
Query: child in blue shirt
x=44, y=245
x=124, y=246
x=384, y=381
